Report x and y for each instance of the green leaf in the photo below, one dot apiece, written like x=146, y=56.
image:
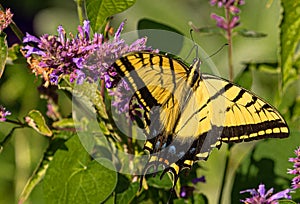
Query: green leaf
x=99, y=10
x=151, y=24
x=73, y=177
x=37, y=121
x=164, y=183
x=64, y=123
x=245, y=78
x=3, y=52
x=159, y=36
x=286, y=202
x=290, y=29
x=128, y=195
x=56, y=143
x=251, y=33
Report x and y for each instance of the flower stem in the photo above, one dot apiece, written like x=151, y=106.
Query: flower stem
x=229, y=41
x=6, y=139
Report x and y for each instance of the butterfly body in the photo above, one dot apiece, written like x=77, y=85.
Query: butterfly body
x=187, y=113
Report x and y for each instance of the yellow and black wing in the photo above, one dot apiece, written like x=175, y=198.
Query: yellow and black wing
x=188, y=113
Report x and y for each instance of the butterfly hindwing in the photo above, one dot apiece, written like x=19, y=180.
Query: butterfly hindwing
x=247, y=116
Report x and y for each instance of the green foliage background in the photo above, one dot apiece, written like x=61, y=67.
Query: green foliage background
x=250, y=164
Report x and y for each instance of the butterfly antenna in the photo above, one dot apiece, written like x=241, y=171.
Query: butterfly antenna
x=194, y=46
x=216, y=52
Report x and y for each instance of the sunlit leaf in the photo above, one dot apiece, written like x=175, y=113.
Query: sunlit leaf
x=99, y=10
x=3, y=52
x=37, y=121
x=73, y=177
x=290, y=29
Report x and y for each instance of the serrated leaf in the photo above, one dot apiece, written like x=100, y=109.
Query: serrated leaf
x=251, y=33
x=99, y=10
x=290, y=29
x=3, y=52
x=37, y=121
x=73, y=177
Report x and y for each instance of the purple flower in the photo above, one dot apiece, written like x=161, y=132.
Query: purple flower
x=231, y=5
x=5, y=19
x=200, y=179
x=296, y=169
x=222, y=23
x=186, y=191
x=55, y=56
x=261, y=196
x=3, y=113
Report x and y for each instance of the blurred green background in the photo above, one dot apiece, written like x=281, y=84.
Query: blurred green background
x=18, y=87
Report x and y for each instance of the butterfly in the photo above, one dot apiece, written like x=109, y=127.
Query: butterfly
x=187, y=113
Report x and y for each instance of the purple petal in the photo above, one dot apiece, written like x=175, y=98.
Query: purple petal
x=279, y=195
x=61, y=34
x=234, y=21
x=32, y=50
x=86, y=28
x=118, y=33
x=234, y=9
x=261, y=189
x=79, y=62
x=220, y=21
x=186, y=191
x=200, y=179
x=30, y=38
x=3, y=113
x=253, y=192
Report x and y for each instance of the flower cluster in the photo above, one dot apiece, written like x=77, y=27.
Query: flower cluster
x=3, y=113
x=296, y=170
x=230, y=7
x=82, y=58
x=5, y=19
x=56, y=56
x=261, y=196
